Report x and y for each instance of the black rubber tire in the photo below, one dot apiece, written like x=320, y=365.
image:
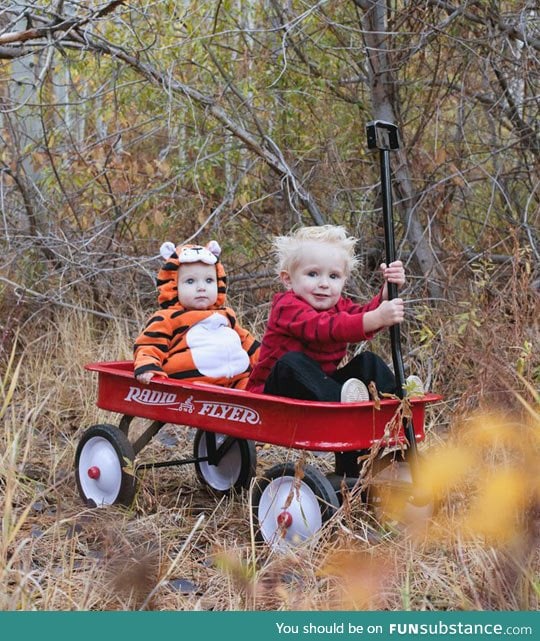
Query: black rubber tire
x=234, y=471
x=319, y=489
x=108, y=446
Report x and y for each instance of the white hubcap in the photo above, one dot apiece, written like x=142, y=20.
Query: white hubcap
x=287, y=514
x=100, y=471
x=224, y=475
x=394, y=489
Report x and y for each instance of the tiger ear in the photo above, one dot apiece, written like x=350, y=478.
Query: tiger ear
x=167, y=250
x=214, y=248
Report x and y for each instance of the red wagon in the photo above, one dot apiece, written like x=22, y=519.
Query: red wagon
x=228, y=423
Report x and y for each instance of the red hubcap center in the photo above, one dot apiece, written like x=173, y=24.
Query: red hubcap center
x=94, y=472
x=284, y=519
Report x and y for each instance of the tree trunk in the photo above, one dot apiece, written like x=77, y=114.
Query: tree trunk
x=384, y=99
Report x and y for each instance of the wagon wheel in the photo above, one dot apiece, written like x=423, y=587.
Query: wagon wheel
x=393, y=499
x=104, y=467
x=236, y=462
x=288, y=510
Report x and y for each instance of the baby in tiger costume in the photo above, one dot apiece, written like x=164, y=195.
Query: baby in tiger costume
x=193, y=336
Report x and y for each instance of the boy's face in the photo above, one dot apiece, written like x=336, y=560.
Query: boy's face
x=197, y=285
x=319, y=275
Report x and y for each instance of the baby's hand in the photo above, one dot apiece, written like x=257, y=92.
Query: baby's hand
x=394, y=273
x=146, y=377
x=391, y=312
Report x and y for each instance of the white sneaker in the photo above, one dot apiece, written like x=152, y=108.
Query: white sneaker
x=414, y=386
x=354, y=391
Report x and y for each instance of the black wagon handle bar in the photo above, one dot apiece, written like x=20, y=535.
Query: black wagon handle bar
x=384, y=136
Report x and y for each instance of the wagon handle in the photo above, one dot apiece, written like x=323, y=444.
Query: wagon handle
x=384, y=136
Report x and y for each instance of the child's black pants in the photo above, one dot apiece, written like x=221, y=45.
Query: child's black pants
x=296, y=375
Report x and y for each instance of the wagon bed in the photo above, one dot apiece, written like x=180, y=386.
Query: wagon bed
x=306, y=425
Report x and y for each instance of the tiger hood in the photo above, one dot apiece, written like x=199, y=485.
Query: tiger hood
x=167, y=278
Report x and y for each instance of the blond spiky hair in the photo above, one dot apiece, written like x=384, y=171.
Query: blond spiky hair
x=288, y=248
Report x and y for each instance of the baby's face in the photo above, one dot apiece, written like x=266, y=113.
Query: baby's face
x=197, y=285
x=319, y=276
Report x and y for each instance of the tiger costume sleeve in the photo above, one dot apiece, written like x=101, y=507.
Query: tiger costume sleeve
x=152, y=345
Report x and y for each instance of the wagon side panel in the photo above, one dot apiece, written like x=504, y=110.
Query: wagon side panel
x=286, y=422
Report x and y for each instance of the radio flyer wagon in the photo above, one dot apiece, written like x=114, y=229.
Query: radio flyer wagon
x=288, y=507
x=229, y=423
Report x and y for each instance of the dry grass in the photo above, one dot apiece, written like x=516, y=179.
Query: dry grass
x=179, y=548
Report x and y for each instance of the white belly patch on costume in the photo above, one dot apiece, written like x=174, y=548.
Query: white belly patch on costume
x=216, y=349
